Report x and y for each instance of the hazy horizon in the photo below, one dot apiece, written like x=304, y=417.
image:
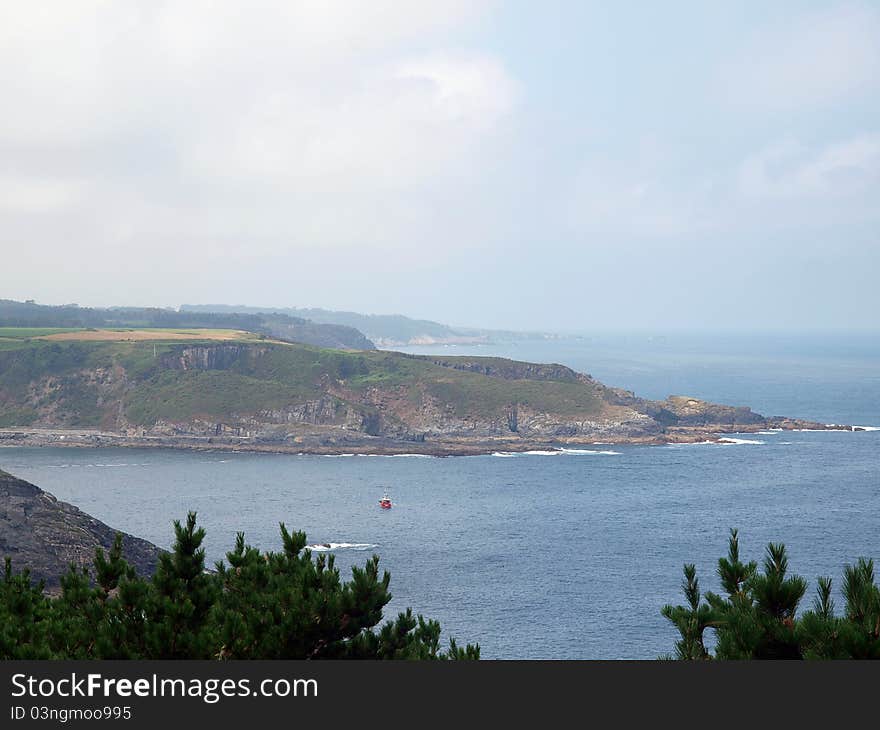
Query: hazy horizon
x=572, y=167
x=548, y=329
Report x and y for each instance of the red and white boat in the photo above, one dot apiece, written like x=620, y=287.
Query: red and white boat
x=385, y=502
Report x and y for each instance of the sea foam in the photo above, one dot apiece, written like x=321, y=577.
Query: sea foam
x=590, y=452
x=556, y=452
x=511, y=454
x=323, y=548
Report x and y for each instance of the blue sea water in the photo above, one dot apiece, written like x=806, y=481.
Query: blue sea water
x=536, y=556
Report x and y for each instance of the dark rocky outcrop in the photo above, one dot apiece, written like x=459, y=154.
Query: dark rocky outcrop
x=695, y=412
x=44, y=535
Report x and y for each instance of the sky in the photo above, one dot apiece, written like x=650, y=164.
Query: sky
x=572, y=166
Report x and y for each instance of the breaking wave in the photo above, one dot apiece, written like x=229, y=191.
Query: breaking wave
x=401, y=456
x=511, y=454
x=579, y=452
x=556, y=452
x=729, y=440
x=324, y=547
x=381, y=456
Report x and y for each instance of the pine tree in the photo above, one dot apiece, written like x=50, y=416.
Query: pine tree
x=862, y=627
x=76, y=616
x=274, y=605
x=24, y=616
x=819, y=630
x=691, y=620
x=757, y=618
x=288, y=606
x=183, y=593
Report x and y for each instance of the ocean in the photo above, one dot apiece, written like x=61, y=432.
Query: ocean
x=568, y=556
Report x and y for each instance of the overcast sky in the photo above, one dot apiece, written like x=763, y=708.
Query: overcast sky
x=553, y=165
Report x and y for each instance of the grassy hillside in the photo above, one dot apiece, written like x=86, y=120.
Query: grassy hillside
x=222, y=376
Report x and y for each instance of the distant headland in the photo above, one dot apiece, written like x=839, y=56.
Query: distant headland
x=213, y=388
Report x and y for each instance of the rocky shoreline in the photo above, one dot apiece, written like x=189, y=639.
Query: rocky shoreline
x=336, y=444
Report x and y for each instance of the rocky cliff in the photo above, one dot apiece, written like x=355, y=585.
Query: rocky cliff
x=44, y=535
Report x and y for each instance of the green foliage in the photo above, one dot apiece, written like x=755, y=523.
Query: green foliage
x=23, y=617
x=17, y=416
x=39, y=358
x=691, y=620
x=478, y=394
x=274, y=605
x=18, y=333
x=757, y=618
x=178, y=396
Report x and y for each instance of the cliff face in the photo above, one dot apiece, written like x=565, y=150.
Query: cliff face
x=44, y=535
x=209, y=357
x=272, y=393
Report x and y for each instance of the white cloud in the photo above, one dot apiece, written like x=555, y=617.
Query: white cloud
x=307, y=123
x=634, y=205
x=391, y=127
x=791, y=170
x=816, y=59
x=785, y=184
x=30, y=196
x=357, y=153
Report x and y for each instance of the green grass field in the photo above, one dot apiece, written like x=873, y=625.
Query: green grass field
x=21, y=333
